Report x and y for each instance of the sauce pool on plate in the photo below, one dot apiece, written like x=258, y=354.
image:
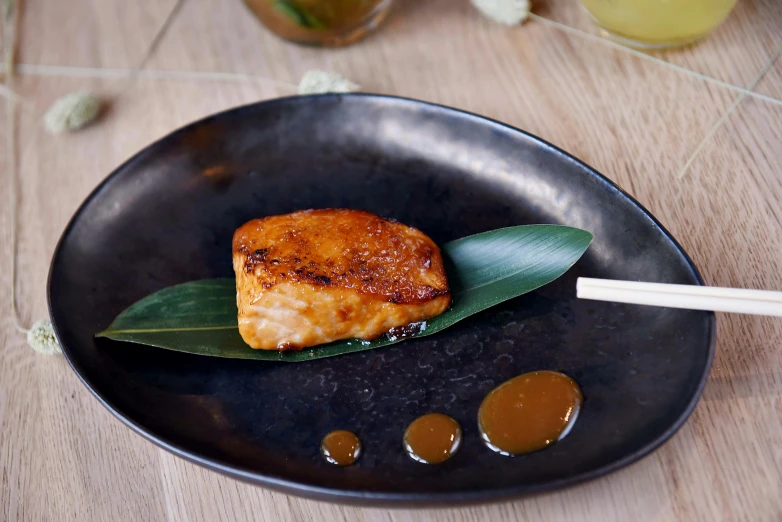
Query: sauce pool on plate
x=432, y=438
x=341, y=448
x=529, y=412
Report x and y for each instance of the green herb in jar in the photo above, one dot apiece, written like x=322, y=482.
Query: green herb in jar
x=298, y=14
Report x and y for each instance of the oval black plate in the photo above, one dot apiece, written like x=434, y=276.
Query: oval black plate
x=167, y=216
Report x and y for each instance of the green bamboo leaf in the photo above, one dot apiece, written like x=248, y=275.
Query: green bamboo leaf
x=483, y=270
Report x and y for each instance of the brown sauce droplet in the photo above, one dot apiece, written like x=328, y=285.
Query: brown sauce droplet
x=433, y=438
x=529, y=412
x=341, y=447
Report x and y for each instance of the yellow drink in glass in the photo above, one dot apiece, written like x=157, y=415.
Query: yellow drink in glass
x=658, y=23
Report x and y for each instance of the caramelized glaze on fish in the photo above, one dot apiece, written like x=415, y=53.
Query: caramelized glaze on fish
x=317, y=276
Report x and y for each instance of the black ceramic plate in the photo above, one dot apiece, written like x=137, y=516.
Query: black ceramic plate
x=167, y=216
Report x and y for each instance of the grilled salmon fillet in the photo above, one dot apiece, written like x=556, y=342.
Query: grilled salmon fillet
x=316, y=276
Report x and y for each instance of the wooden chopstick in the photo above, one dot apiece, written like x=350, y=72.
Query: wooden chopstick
x=712, y=298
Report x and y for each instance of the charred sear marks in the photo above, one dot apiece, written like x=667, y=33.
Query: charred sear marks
x=345, y=249
x=253, y=258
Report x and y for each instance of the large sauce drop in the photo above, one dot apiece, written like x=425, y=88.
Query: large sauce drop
x=529, y=412
x=432, y=438
x=341, y=447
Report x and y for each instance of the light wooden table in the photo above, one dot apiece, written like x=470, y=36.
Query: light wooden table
x=695, y=135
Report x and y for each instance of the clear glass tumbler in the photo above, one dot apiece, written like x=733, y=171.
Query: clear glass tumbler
x=328, y=23
x=658, y=23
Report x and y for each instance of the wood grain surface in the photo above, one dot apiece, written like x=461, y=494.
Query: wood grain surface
x=703, y=156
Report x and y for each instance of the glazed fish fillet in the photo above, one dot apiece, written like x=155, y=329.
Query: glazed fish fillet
x=317, y=276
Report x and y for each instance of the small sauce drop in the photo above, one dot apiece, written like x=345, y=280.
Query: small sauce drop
x=529, y=412
x=432, y=438
x=341, y=447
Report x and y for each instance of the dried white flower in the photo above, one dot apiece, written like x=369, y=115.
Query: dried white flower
x=507, y=12
x=41, y=338
x=72, y=111
x=320, y=82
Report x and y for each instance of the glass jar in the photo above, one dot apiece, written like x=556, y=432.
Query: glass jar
x=658, y=23
x=320, y=22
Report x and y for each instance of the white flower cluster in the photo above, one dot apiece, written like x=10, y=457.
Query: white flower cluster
x=507, y=12
x=320, y=82
x=72, y=111
x=41, y=338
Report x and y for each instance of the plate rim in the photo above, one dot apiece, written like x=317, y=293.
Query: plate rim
x=382, y=498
